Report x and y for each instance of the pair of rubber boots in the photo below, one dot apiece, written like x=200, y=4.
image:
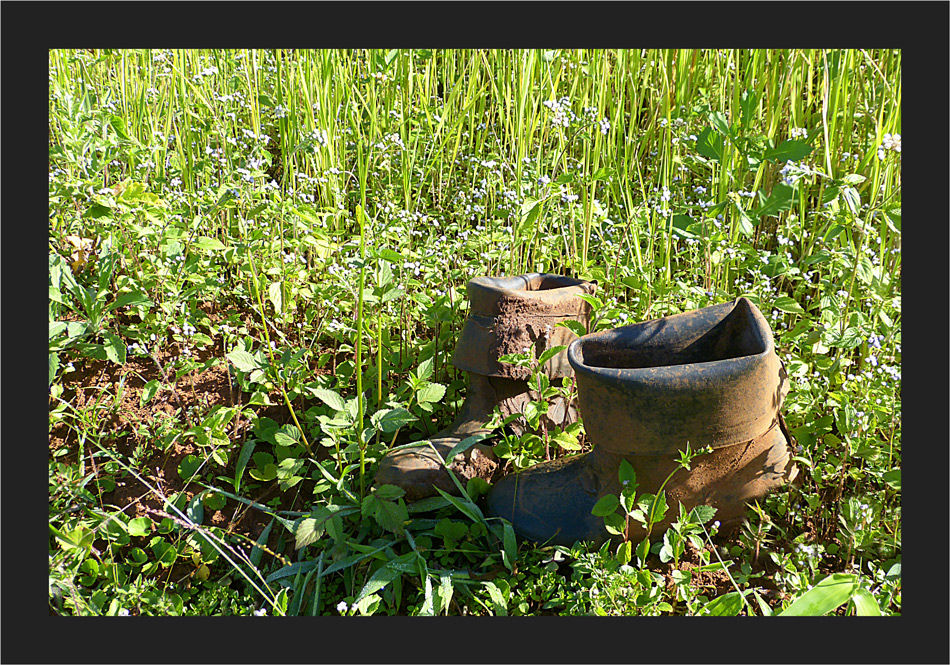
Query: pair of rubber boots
x=705, y=378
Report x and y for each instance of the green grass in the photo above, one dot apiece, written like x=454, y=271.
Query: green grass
x=303, y=223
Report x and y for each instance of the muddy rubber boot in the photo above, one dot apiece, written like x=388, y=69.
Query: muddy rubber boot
x=507, y=315
x=709, y=377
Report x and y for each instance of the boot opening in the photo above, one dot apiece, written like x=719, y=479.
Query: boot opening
x=723, y=332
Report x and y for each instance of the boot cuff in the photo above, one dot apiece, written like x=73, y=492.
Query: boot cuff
x=707, y=377
x=510, y=314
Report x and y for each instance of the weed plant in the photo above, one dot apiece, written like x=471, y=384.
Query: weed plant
x=257, y=264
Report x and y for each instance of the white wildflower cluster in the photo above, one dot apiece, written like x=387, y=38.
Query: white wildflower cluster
x=793, y=171
x=319, y=136
x=798, y=132
x=890, y=142
x=563, y=115
x=281, y=111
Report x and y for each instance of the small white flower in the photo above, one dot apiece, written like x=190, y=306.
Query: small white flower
x=122, y=613
x=342, y=607
x=261, y=612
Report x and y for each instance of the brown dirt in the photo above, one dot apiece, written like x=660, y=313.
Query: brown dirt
x=135, y=431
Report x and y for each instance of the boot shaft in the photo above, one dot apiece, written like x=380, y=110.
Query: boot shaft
x=709, y=377
x=509, y=314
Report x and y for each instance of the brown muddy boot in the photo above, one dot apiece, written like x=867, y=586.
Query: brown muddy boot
x=709, y=377
x=507, y=315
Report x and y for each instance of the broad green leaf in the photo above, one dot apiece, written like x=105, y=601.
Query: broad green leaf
x=788, y=151
x=865, y=605
x=276, y=296
x=703, y=513
x=499, y=603
x=310, y=529
x=424, y=369
x=828, y=595
x=719, y=122
x=140, y=526
x=243, y=360
x=780, y=199
x=893, y=478
x=744, y=222
x=390, y=492
x=56, y=327
x=789, y=305
x=209, y=244
x=148, y=391
x=575, y=327
x=852, y=199
x=392, y=516
x=390, y=420
x=726, y=605
x=550, y=353
x=606, y=505
x=329, y=397
x=626, y=473
x=430, y=393
x=53, y=367
x=114, y=347
x=709, y=144
x=603, y=173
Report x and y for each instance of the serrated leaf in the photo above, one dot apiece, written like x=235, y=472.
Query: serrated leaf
x=709, y=144
x=392, y=516
x=430, y=392
x=329, y=397
x=288, y=435
x=702, y=514
x=276, y=296
x=390, y=492
x=243, y=360
x=391, y=420
x=309, y=530
x=424, y=369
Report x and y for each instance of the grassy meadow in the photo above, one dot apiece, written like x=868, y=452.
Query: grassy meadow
x=257, y=269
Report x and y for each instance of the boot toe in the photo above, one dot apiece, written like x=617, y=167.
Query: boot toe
x=549, y=504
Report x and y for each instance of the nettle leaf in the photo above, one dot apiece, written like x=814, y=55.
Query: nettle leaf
x=424, y=369
x=309, y=529
x=430, y=392
x=390, y=420
x=703, y=514
x=328, y=397
x=288, y=435
x=243, y=360
x=392, y=516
